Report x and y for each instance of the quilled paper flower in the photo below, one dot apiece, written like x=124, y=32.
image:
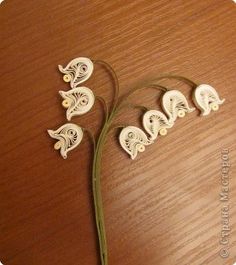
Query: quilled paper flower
x=77, y=71
x=133, y=140
x=68, y=136
x=156, y=122
x=206, y=98
x=77, y=101
x=175, y=105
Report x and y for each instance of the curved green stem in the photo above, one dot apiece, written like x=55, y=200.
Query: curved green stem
x=106, y=111
x=177, y=77
x=132, y=91
x=140, y=107
x=117, y=126
x=96, y=174
x=115, y=78
x=96, y=182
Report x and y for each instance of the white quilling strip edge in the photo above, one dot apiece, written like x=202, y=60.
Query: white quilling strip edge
x=155, y=122
x=133, y=140
x=175, y=105
x=77, y=101
x=206, y=99
x=69, y=136
x=77, y=71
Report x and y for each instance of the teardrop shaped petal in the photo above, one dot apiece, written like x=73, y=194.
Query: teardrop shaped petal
x=69, y=136
x=77, y=71
x=175, y=104
x=154, y=121
x=133, y=140
x=78, y=101
x=206, y=98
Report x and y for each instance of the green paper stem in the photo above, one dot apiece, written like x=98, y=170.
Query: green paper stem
x=118, y=103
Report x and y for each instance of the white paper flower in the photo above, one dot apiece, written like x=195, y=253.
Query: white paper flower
x=175, y=105
x=69, y=136
x=156, y=122
x=77, y=71
x=207, y=99
x=133, y=140
x=77, y=101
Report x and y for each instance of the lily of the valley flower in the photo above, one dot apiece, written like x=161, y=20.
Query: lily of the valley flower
x=68, y=136
x=207, y=99
x=77, y=101
x=133, y=140
x=77, y=71
x=155, y=122
x=175, y=105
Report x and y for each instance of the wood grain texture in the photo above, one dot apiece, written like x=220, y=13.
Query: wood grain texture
x=162, y=208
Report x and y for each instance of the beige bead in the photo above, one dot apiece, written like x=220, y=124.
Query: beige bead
x=57, y=145
x=67, y=78
x=163, y=131
x=181, y=113
x=66, y=103
x=214, y=106
x=141, y=148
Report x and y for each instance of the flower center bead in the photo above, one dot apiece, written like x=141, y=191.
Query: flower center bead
x=66, y=103
x=181, y=113
x=141, y=148
x=214, y=106
x=67, y=78
x=57, y=145
x=163, y=132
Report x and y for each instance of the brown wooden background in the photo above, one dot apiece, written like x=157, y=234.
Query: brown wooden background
x=162, y=208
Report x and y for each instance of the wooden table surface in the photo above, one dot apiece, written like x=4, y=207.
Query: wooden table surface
x=162, y=208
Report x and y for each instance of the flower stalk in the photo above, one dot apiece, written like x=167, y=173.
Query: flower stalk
x=118, y=103
x=80, y=99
